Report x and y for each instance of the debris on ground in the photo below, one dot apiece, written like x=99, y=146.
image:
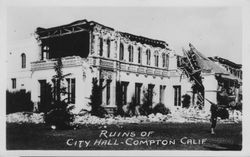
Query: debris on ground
x=25, y=117
x=176, y=116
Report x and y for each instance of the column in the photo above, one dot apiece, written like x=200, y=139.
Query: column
x=96, y=45
x=113, y=91
x=125, y=51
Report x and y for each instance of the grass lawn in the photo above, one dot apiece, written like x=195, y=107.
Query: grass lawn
x=167, y=136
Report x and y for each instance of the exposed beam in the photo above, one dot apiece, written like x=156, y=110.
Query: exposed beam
x=62, y=32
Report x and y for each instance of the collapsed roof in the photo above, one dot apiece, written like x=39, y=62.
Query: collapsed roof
x=84, y=25
x=226, y=61
x=207, y=65
x=141, y=39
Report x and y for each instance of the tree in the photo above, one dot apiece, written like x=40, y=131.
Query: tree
x=59, y=114
x=146, y=107
x=59, y=80
x=96, y=99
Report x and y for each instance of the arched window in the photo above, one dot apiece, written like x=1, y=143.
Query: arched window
x=101, y=46
x=165, y=59
x=108, y=48
x=23, y=58
x=131, y=53
x=121, y=55
x=148, y=54
x=156, y=58
x=139, y=55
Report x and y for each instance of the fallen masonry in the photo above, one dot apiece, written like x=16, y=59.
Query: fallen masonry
x=178, y=116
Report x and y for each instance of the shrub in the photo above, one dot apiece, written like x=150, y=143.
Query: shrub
x=18, y=101
x=186, y=101
x=145, y=109
x=59, y=115
x=161, y=108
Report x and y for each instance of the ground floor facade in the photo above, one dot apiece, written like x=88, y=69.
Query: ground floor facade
x=122, y=83
x=129, y=81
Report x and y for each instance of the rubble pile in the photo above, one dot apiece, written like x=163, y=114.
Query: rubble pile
x=176, y=116
x=190, y=115
x=234, y=116
x=25, y=117
x=88, y=119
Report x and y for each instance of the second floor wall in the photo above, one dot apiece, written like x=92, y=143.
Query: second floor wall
x=98, y=41
x=114, y=45
x=21, y=53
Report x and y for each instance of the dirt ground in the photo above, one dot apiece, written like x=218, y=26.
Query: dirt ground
x=150, y=136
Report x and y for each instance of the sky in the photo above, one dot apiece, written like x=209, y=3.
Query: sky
x=214, y=31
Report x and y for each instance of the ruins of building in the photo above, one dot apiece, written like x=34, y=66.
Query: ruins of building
x=89, y=49
x=216, y=74
x=233, y=81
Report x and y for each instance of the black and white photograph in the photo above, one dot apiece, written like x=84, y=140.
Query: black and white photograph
x=123, y=77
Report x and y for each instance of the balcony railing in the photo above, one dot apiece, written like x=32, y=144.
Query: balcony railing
x=142, y=70
x=50, y=64
x=73, y=61
x=158, y=72
x=150, y=71
x=132, y=68
x=107, y=64
x=129, y=67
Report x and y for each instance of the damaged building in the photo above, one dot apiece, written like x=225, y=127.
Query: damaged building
x=126, y=64
x=213, y=79
x=89, y=49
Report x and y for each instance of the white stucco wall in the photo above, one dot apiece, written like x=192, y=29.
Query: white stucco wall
x=83, y=84
x=210, y=84
x=31, y=49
